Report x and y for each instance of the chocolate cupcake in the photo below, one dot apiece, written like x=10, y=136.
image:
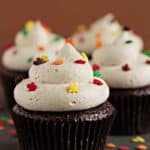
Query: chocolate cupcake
x=62, y=106
x=127, y=70
x=101, y=32
x=34, y=39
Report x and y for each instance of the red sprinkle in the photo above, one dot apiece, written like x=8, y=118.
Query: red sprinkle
x=126, y=67
x=12, y=132
x=123, y=148
x=95, y=67
x=8, y=46
x=79, y=61
x=97, y=82
x=147, y=61
x=31, y=86
x=1, y=123
x=2, y=126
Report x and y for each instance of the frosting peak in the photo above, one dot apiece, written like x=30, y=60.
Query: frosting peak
x=106, y=30
x=124, y=50
x=64, y=69
x=65, y=84
x=105, y=20
x=109, y=28
x=33, y=40
x=69, y=53
x=36, y=36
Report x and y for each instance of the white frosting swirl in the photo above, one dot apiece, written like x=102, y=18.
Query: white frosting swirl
x=126, y=50
x=85, y=41
x=27, y=46
x=108, y=29
x=53, y=82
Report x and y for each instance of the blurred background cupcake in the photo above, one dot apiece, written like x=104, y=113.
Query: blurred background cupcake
x=62, y=105
x=102, y=32
x=126, y=69
x=34, y=39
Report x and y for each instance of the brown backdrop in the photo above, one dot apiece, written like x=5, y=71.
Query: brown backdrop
x=64, y=15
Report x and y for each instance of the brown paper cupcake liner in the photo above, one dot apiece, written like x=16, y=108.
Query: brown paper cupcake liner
x=133, y=108
x=77, y=131
x=8, y=80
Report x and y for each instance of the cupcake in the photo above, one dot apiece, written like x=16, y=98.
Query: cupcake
x=102, y=32
x=62, y=106
x=126, y=69
x=33, y=40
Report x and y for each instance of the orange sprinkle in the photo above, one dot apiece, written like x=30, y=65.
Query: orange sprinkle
x=141, y=147
x=110, y=145
x=10, y=122
x=41, y=48
x=2, y=128
x=47, y=28
x=99, y=43
x=58, y=62
x=69, y=40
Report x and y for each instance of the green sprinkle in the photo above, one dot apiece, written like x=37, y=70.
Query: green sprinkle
x=57, y=38
x=129, y=41
x=30, y=59
x=24, y=31
x=4, y=119
x=147, y=53
x=97, y=73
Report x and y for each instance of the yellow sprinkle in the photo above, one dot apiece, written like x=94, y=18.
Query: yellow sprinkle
x=138, y=139
x=45, y=58
x=73, y=88
x=84, y=56
x=81, y=28
x=114, y=33
x=29, y=25
x=134, y=140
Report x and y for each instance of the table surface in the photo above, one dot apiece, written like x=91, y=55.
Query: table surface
x=8, y=141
